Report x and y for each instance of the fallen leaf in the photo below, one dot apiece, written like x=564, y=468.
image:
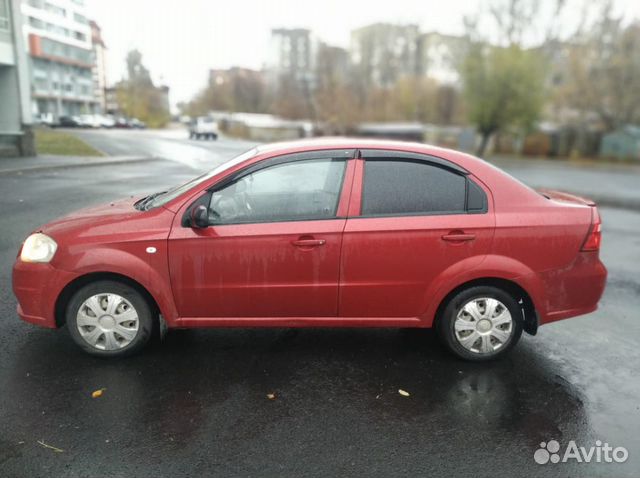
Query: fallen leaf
x=98, y=393
x=271, y=396
x=50, y=447
x=403, y=393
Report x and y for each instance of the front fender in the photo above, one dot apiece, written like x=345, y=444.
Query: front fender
x=150, y=270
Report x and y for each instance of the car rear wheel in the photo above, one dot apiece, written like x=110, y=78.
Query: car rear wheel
x=109, y=319
x=480, y=323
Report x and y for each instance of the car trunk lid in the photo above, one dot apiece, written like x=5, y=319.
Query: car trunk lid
x=566, y=197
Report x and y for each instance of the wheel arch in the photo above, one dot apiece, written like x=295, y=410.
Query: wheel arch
x=522, y=297
x=72, y=287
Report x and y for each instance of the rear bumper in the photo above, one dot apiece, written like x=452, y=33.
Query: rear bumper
x=576, y=290
x=37, y=288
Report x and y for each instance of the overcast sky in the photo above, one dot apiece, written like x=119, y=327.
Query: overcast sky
x=181, y=40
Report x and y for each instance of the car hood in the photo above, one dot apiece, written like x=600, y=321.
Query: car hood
x=92, y=216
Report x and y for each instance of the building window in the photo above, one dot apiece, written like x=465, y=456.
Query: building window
x=54, y=48
x=49, y=7
x=35, y=22
x=41, y=84
x=80, y=18
x=4, y=15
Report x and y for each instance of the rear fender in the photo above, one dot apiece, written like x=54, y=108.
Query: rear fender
x=490, y=267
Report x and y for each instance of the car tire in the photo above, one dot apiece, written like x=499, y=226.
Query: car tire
x=480, y=323
x=110, y=319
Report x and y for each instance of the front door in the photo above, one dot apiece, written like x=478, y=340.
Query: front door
x=272, y=249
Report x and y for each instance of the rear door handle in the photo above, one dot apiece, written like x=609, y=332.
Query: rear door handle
x=458, y=237
x=308, y=242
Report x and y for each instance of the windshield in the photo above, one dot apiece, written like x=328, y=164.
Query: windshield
x=160, y=199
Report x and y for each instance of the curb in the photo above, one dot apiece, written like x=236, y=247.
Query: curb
x=83, y=164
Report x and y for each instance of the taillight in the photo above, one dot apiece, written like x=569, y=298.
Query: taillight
x=592, y=242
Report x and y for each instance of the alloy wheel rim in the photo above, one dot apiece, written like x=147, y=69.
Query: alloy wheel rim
x=483, y=325
x=107, y=321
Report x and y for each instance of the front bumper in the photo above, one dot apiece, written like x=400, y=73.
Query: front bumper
x=37, y=288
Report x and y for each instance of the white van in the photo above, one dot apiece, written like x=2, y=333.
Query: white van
x=203, y=127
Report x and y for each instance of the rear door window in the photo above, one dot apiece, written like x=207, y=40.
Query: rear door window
x=411, y=187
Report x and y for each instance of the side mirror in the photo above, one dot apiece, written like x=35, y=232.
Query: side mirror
x=199, y=217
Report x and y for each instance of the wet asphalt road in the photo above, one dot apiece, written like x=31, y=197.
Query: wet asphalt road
x=196, y=404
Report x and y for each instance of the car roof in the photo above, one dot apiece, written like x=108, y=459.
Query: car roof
x=464, y=160
x=339, y=142
x=504, y=187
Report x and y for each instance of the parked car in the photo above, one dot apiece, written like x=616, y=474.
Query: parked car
x=135, y=123
x=69, y=122
x=90, y=121
x=121, y=122
x=128, y=123
x=44, y=119
x=203, y=127
x=320, y=233
x=106, y=121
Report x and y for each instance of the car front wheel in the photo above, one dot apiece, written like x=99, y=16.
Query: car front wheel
x=109, y=319
x=480, y=323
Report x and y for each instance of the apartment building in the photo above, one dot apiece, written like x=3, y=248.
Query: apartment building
x=99, y=70
x=383, y=52
x=292, y=54
x=15, y=111
x=59, y=42
x=439, y=57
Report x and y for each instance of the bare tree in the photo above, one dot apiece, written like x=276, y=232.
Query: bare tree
x=603, y=70
x=503, y=81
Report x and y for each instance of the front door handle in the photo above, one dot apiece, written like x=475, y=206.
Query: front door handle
x=308, y=242
x=458, y=236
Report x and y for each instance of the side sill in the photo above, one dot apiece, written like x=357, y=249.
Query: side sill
x=383, y=322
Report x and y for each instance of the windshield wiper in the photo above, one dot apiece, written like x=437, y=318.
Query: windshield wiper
x=143, y=204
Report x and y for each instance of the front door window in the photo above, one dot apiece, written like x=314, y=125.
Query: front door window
x=295, y=191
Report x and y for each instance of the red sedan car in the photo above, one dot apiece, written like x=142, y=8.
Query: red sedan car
x=320, y=233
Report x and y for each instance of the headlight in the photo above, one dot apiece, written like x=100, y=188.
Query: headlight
x=38, y=248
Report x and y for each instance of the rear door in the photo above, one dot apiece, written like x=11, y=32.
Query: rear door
x=272, y=248
x=413, y=221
